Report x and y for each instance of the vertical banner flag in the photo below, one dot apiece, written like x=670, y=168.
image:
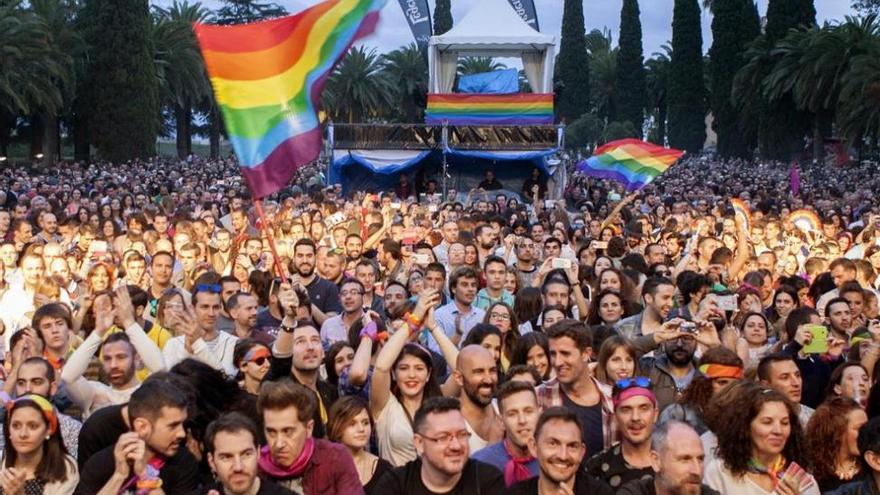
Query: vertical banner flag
x=526, y=10
x=418, y=15
x=268, y=77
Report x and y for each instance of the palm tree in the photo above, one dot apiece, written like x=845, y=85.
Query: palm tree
x=358, y=89
x=657, y=76
x=603, y=73
x=478, y=65
x=31, y=66
x=407, y=67
x=183, y=82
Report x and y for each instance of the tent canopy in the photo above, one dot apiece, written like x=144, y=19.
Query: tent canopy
x=491, y=29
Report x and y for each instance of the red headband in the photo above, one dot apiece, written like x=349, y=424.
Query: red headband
x=631, y=392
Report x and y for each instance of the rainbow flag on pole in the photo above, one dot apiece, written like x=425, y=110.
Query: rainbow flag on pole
x=268, y=77
x=633, y=162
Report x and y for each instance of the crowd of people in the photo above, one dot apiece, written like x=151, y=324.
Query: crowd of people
x=161, y=335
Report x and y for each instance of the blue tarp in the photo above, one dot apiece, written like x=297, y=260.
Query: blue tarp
x=467, y=168
x=499, y=82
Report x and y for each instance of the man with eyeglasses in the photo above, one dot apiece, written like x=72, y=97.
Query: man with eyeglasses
x=635, y=412
x=674, y=367
x=559, y=450
x=335, y=329
x=441, y=441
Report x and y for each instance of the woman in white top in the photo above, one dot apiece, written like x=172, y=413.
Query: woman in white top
x=760, y=447
x=403, y=377
x=34, y=458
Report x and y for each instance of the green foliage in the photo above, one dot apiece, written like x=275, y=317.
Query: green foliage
x=122, y=93
x=630, y=84
x=408, y=68
x=442, y=17
x=866, y=6
x=478, y=65
x=246, y=11
x=572, y=65
x=657, y=79
x=358, y=89
x=686, y=90
x=618, y=130
x=584, y=132
x=734, y=26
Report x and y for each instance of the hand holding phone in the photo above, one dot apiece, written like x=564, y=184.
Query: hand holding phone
x=818, y=340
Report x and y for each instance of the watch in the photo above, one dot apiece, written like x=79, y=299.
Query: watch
x=287, y=329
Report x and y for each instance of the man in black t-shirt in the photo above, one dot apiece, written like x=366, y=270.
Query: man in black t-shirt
x=152, y=454
x=323, y=294
x=441, y=440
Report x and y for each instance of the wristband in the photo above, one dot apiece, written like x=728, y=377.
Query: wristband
x=413, y=328
x=370, y=331
x=412, y=320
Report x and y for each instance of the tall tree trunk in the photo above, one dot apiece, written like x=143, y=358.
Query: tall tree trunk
x=183, y=119
x=215, y=132
x=6, y=122
x=36, y=129
x=50, y=139
x=80, y=137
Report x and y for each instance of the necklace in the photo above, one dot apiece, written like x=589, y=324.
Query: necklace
x=848, y=470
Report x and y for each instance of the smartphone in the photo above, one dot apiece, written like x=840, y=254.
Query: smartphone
x=599, y=244
x=563, y=263
x=728, y=303
x=819, y=342
x=549, y=203
x=432, y=208
x=421, y=259
x=395, y=206
x=98, y=247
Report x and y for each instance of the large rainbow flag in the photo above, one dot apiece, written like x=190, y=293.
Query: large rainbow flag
x=489, y=109
x=633, y=162
x=268, y=77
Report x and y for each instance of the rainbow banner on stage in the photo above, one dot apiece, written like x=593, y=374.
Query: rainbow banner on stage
x=486, y=109
x=633, y=162
x=268, y=77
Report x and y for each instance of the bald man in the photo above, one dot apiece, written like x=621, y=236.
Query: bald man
x=476, y=374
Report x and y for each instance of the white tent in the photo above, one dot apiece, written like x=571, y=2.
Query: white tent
x=491, y=29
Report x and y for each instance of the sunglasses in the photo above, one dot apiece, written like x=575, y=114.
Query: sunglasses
x=636, y=381
x=212, y=288
x=259, y=361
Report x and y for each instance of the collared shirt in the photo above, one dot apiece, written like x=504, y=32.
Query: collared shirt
x=334, y=330
x=446, y=315
x=550, y=394
x=484, y=300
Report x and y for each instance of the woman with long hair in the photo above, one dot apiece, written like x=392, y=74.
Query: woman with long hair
x=759, y=439
x=617, y=360
x=100, y=278
x=719, y=367
x=501, y=316
x=832, y=445
x=533, y=349
x=403, y=377
x=35, y=460
x=754, y=342
x=251, y=359
x=350, y=424
x=607, y=308
x=784, y=300
x=527, y=307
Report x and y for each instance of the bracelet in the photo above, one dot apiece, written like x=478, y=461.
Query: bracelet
x=370, y=331
x=413, y=328
x=286, y=329
x=412, y=320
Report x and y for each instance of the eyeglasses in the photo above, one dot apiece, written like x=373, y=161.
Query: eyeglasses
x=446, y=438
x=499, y=316
x=636, y=381
x=212, y=288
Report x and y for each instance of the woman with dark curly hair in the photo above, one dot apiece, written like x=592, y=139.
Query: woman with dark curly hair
x=759, y=440
x=719, y=367
x=533, y=349
x=832, y=442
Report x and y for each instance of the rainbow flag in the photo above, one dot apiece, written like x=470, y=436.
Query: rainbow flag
x=633, y=162
x=268, y=77
x=485, y=109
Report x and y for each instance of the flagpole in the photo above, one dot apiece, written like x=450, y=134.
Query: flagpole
x=268, y=230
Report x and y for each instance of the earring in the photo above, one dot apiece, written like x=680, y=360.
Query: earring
x=48, y=437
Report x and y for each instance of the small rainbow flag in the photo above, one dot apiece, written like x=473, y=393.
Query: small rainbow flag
x=268, y=77
x=633, y=162
x=480, y=109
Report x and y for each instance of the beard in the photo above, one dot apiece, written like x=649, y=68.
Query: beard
x=473, y=393
x=302, y=273
x=679, y=357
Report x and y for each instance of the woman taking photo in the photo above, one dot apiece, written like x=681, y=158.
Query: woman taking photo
x=832, y=435
x=759, y=441
x=350, y=424
x=34, y=458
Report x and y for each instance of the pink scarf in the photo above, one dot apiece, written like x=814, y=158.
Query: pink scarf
x=515, y=469
x=295, y=470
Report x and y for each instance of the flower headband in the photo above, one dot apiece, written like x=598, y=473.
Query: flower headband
x=43, y=404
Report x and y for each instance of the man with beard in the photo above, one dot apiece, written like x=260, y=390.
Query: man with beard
x=149, y=456
x=221, y=251
x=635, y=412
x=120, y=356
x=525, y=260
x=367, y=273
x=323, y=294
x=198, y=335
x=677, y=461
x=559, y=450
x=459, y=316
x=495, y=271
x=476, y=372
x=485, y=237
x=839, y=317
x=673, y=370
x=242, y=307
x=519, y=410
x=231, y=444
x=298, y=353
x=335, y=329
x=441, y=441
x=295, y=459
x=353, y=246
x=658, y=294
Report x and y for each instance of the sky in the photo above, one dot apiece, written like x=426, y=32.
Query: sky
x=656, y=17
